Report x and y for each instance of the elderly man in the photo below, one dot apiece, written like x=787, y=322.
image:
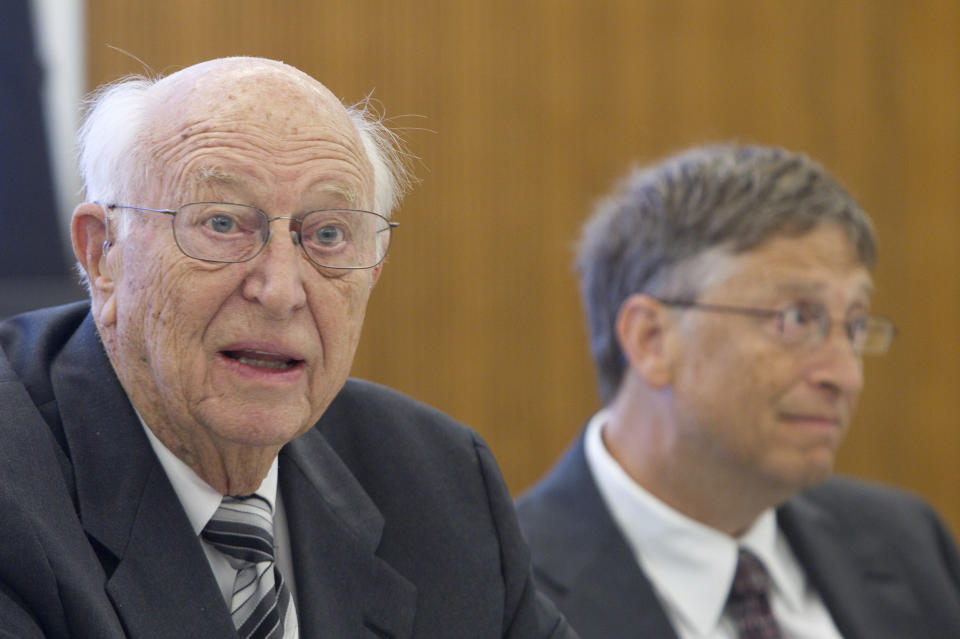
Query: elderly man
x=728, y=297
x=183, y=456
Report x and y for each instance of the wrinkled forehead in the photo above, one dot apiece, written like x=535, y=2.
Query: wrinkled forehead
x=224, y=102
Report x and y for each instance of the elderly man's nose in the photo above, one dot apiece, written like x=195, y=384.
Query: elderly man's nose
x=275, y=279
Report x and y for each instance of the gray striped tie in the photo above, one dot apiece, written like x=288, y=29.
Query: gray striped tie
x=242, y=529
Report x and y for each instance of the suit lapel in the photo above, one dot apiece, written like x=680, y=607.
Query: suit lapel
x=157, y=575
x=603, y=586
x=150, y=555
x=858, y=577
x=335, y=529
x=612, y=590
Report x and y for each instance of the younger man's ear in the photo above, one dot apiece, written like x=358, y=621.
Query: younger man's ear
x=91, y=244
x=642, y=327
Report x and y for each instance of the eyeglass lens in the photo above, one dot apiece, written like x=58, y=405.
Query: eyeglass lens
x=236, y=233
x=811, y=324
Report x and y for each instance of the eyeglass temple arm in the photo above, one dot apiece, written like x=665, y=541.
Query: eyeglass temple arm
x=393, y=225
x=758, y=312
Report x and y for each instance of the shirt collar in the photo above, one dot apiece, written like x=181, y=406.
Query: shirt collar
x=690, y=565
x=787, y=577
x=200, y=501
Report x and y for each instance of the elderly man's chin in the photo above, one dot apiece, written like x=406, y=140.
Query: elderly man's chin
x=259, y=418
x=248, y=410
x=256, y=429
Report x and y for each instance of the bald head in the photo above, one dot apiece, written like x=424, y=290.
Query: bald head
x=268, y=111
x=268, y=92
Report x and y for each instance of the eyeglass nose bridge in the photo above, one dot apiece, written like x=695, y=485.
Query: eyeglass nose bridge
x=296, y=226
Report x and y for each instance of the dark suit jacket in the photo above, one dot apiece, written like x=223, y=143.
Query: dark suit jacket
x=399, y=521
x=882, y=562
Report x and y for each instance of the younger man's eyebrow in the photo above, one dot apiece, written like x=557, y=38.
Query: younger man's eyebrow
x=864, y=289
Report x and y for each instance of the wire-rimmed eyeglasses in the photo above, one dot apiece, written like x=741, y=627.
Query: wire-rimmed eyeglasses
x=225, y=232
x=809, y=324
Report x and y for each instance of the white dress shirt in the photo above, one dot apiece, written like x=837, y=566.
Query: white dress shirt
x=200, y=502
x=691, y=565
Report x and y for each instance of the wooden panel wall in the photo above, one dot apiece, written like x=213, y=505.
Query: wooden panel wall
x=522, y=113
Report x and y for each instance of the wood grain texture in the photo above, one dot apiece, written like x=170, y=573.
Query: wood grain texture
x=523, y=113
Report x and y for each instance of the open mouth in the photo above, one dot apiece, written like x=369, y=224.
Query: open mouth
x=260, y=359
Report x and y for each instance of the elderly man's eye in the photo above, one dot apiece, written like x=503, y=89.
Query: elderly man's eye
x=329, y=235
x=221, y=223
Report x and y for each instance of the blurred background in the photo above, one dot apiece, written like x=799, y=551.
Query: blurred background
x=522, y=113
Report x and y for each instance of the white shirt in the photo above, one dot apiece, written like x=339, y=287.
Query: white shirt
x=691, y=565
x=200, y=502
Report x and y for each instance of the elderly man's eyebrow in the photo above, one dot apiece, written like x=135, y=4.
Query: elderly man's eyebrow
x=346, y=193
x=215, y=176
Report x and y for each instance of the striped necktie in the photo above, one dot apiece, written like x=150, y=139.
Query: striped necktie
x=748, y=604
x=242, y=529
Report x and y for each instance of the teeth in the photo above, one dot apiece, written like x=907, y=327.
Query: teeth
x=265, y=363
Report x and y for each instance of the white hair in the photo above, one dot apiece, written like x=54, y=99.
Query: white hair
x=108, y=142
x=392, y=177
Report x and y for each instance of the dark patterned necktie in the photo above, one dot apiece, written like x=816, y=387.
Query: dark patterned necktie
x=242, y=529
x=748, y=604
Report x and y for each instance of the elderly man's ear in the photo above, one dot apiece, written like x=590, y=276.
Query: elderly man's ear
x=88, y=230
x=375, y=275
x=644, y=331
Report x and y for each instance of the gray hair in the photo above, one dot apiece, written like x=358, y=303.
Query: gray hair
x=114, y=163
x=662, y=227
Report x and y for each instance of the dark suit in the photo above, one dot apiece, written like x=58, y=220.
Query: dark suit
x=882, y=562
x=400, y=524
